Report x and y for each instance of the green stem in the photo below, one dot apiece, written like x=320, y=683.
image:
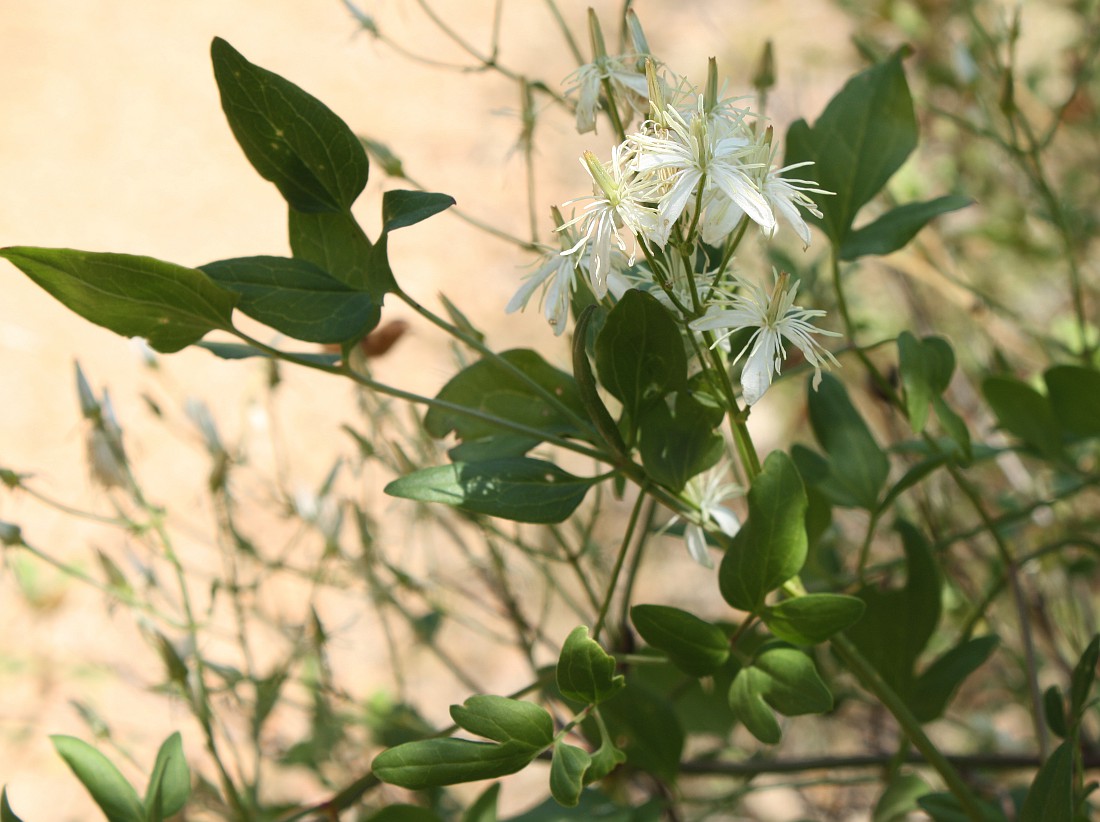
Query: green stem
x=623, y=548
x=873, y=682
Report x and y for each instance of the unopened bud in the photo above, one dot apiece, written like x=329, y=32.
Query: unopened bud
x=10, y=534
x=764, y=78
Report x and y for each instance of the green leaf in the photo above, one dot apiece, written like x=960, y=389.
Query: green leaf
x=643, y=723
x=505, y=720
x=291, y=138
x=586, y=384
x=859, y=141
x=332, y=241
x=170, y=782
x=109, y=788
x=430, y=763
x=783, y=678
x=771, y=546
x=1051, y=794
x=484, y=808
x=640, y=353
x=897, y=227
x=516, y=488
x=857, y=466
x=169, y=305
x=812, y=618
x=1025, y=413
x=696, y=647
x=899, y=622
x=934, y=688
x=6, y=813
x=404, y=813
x=594, y=806
x=585, y=672
x=955, y=426
x=899, y=798
x=239, y=351
x=1084, y=675
x=297, y=298
x=567, y=770
x=404, y=208
x=1074, y=394
x=926, y=368
x=944, y=807
x=680, y=442
x=495, y=389
x=606, y=758
x=1054, y=710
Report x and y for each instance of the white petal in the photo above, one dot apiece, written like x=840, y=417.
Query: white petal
x=697, y=545
x=726, y=519
x=756, y=376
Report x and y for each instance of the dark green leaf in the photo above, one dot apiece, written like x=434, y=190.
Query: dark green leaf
x=746, y=700
x=484, y=808
x=792, y=685
x=567, y=770
x=586, y=384
x=6, y=813
x=594, y=806
x=1084, y=674
x=291, y=138
x=813, y=618
x=640, y=353
x=771, y=546
x=169, y=305
x=430, y=763
x=404, y=813
x=268, y=690
x=693, y=645
x=944, y=807
x=1054, y=709
x=934, y=688
x=859, y=141
x=899, y=798
x=297, y=298
x=1025, y=413
x=1075, y=398
x=332, y=241
x=517, y=488
x=109, y=788
x=926, y=368
x=491, y=448
x=1051, y=795
x=955, y=426
x=585, y=672
x=495, y=389
x=642, y=722
x=680, y=442
x=857, y=466
x=897, y=227
x=505, y=720
x=404, y=208
x=239, y=351
x=913, y=476
x=899, y=622
x=170, y=782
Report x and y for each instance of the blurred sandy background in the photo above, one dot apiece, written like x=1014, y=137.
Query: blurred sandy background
x=112, y=139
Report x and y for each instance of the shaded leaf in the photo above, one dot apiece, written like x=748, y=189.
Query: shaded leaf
x=1074, y=393
x=897, y=226
x=858, y=467
x=944, y=807
x=680, y=442
x=240, y=351
x=693, y=645
x=297, y=298
x=934, y=688
x=516, y=488
x=484, y=808
x=926, y=368
x=332, y=241
x=1084, y=675
x=404, y=813
x=6, y=813
x=642, y=723
x=495, y=389
x=169, y=305
x=1025, y=413
x=404, y=208
x=291, y=138
x=899, y=798
x=1051, y=794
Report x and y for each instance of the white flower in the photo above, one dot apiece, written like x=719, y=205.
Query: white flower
x=786, y=194
x=774, y=317
x=557, y=276
x=706, y=492
x=626, y=81
x=704, y=150
x=622, y=199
